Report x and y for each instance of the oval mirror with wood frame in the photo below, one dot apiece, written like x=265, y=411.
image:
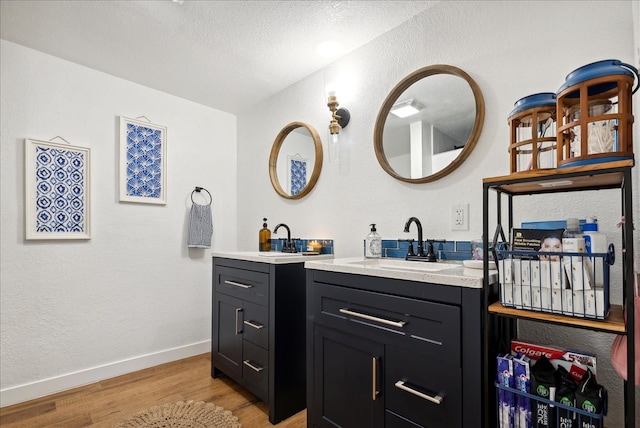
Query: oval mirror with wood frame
x=296, y=150
x=428, y=124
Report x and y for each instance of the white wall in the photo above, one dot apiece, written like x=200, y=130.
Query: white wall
x=134, y=295
x=511, y=49
x=73, y=312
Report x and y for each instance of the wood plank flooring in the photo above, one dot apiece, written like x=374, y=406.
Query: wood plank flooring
x=105, y=403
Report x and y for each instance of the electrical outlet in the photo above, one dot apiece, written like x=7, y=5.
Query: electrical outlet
x=460, y=217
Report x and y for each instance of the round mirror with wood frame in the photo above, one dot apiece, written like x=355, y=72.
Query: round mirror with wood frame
x=443, y=133
x=289, y=137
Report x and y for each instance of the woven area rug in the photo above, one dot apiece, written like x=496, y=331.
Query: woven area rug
x=183, y=414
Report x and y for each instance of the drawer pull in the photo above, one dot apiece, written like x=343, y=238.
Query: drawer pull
x=372, y=318
x=251, y=366
x=374, y=379
x=238, y=284
x=437, y=399
x=238, y=331
x=254, y=325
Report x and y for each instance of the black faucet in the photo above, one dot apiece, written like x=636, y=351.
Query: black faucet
x=420, y=255
x=420, y=243
x=288, y=246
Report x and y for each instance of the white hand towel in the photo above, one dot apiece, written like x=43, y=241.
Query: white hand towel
x=200, y=226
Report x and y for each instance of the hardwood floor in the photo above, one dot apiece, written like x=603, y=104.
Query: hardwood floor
x=105, y=403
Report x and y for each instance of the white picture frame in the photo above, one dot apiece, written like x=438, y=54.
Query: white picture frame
x=57, y=191
x=143, y=162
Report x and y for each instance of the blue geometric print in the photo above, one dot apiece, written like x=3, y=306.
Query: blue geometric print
x=60, y=190
x=144, y=161
x=298, y=176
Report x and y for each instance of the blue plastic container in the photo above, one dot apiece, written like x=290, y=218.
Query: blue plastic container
x=542, y=99
x=607, y=67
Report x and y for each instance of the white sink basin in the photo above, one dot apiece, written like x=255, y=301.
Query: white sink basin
x=406, y=265
x=277, y=254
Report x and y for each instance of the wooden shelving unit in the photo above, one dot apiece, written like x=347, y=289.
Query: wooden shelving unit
x=611, y=175
x=613, y=324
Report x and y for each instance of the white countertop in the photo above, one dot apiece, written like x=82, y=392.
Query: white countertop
x=273, y=257
x=447, y=273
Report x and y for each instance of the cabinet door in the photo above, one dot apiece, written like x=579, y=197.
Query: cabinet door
x=348, y=377
x=227, y=334
x=425, y=391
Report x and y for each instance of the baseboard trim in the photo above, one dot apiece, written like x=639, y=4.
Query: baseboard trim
x=41, y=388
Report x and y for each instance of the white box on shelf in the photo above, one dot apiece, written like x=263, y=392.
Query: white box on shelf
x=505, y=271
x=552, y=274
x=587, y=303
x=548, y=300
x=522, y=296
x=579, y=273
x=506, y=294
x=526, y=272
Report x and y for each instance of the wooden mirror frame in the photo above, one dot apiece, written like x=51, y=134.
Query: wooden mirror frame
x=392, y=98
x=275, y=151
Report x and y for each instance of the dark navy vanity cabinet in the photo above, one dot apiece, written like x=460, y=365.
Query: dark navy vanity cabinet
x=258, y=331
x=385, y=352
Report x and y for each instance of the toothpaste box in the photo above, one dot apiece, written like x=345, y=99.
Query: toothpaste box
x=506, y=399
x=522, y=382
x=575, y=362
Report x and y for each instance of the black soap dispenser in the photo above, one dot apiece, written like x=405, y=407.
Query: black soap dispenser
x=264, y=237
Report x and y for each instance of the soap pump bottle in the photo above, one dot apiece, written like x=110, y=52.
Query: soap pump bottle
x=373, y=244
x=572, y=237
x=264, y=237
x=573, y=240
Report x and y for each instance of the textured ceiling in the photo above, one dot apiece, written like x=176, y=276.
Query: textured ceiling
x=229, y=55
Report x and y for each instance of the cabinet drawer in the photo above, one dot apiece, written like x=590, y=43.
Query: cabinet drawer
x=255, y=369
x=244, y=284
x=425, y=392
x=391, y=420
x=427, y=327
x=255, y=326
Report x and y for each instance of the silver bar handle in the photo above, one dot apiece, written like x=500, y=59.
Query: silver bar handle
x=254, y=325
x=238, y=284
x=238, y=331
x=374, y=379
x=254, y=367
x=437, y=399
x=372, y=318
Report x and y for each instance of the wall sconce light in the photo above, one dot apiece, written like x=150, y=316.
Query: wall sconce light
x=339, y=117
x=406, y=108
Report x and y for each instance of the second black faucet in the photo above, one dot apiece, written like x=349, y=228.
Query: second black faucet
x=288, y=245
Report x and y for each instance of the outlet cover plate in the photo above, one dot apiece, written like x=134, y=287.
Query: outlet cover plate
x=460, y=217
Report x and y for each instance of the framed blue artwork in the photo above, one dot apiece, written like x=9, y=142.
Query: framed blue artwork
x=297, y=173
x=143, y=162
x=57, y=191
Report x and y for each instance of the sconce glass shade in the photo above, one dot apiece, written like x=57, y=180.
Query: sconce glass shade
x=339, y=116
x=406, y=108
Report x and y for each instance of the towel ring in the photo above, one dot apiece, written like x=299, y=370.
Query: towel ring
x=198, y=189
